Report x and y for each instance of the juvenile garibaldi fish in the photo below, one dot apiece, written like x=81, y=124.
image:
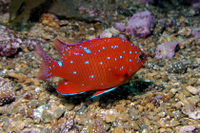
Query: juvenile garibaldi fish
x=98, y=65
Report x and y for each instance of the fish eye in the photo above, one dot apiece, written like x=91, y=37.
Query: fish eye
x=141, y=56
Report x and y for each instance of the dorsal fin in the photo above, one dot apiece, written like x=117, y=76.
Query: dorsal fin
x=60, y=47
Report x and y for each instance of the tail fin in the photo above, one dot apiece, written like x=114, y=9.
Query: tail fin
x=48, y=65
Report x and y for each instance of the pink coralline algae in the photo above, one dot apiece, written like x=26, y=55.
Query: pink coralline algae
x=9, y=44
x=12, y=41
x=141, y=24
x=6, y=92
x=120, y=27
x=196, y=33
x=166, y=50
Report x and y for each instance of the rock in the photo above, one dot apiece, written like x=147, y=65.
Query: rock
x=193, y=90
x=140, y=24
x=177, y=67
x=192, y=111
x=31, y=130
x=196, y=32
x=166, y=50
x=111, y=32
x=183, y=98
x=39, y=111
x=189, y=128
x=120, y=27
x=111, y=115
x=9, y=44
x=7, y=93
x=118, y=130
x=15, y=126
x=194, y=100
x=96, y=125
x=49, y=115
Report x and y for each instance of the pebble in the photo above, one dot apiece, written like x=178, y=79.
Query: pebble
x=7, y=92
x=20, y=77
x=192, y=111
x=15, y=126
x=183, y=98
x=193, y=90
x=111, y=32
x=189, y=128
x=111, y=115
x=177, y=67
x=118, y=130
x=39, y=111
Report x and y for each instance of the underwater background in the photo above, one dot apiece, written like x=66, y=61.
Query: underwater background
x=163, y=96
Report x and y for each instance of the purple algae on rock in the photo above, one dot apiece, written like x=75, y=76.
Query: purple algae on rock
x=141, y=24
x=6, y=92
x=11, y=41
x=196, y=33
x=120, y=27
x=166, y=50
x=9, y=44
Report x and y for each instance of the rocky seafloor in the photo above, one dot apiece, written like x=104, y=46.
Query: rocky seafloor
x=163, y=96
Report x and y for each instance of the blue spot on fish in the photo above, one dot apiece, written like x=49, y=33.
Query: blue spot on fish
x=60, y=64
x=87, y=62
x=74, y=72
x=88, y=51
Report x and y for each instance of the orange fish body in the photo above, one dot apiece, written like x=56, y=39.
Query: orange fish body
x=98, y=65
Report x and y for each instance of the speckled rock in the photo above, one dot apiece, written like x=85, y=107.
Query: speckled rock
x=7, y=93
x=177, y=67
x=95, y=125
x=9, y=44
x=192, y=111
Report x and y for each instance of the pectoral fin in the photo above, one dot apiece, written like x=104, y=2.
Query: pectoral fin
x=67, y=88
x=99, y=92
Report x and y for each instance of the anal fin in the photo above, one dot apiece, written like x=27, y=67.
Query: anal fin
x=100, y=92
x=66, y=88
